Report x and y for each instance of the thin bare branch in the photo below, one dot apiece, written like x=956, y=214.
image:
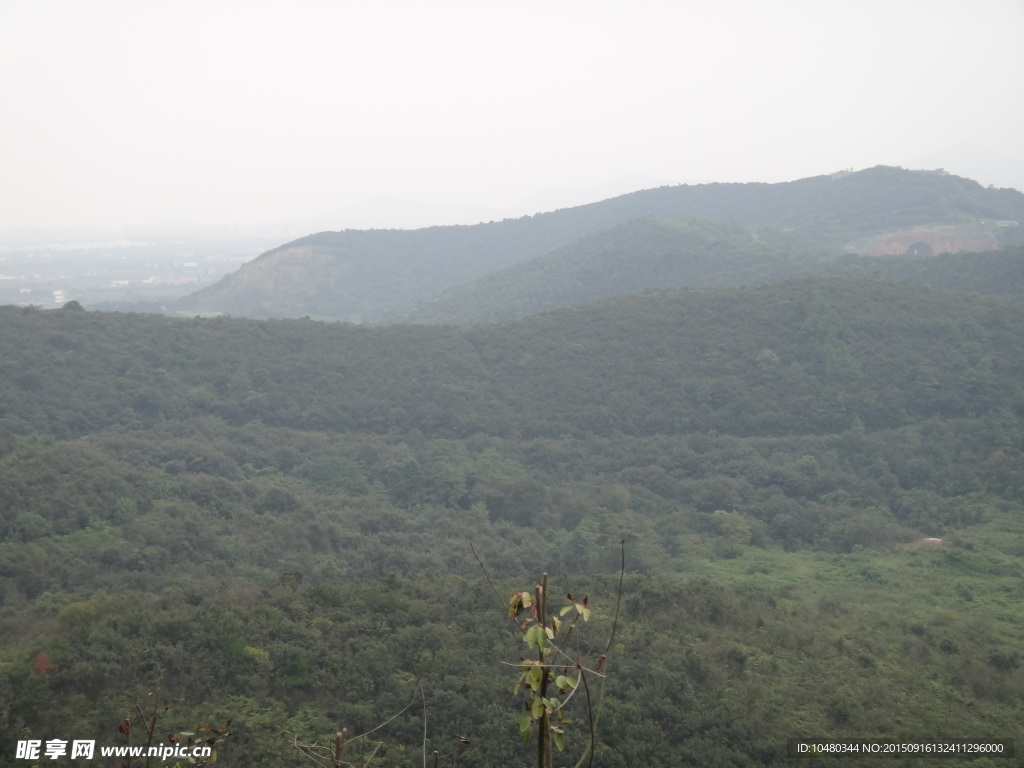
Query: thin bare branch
x=423, y=697
x=313, y=752
x=618, y=598
x=593, y=716
x=553, y=666
x=588, y=753
x=494, y=589
x=487, y=576
x=374, y=753
x=399, y=712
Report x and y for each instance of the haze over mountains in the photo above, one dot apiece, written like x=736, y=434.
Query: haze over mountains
x=390, y=212
x=453, y=274
x=986, y=166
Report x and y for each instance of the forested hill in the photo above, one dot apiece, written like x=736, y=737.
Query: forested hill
x=654, y=253
x=799, y=357
x=640, y=254
x=802, y=357
x=368, y=275
x=260, y=531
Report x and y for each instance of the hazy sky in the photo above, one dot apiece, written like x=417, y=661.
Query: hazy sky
x=225, y=111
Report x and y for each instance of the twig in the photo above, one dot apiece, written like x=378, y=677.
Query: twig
x=553, y=666
x=494, y=589
x=388, y=720
x=618, y=597
x=308, y=749
x=595, y=716
x=374, y=753
x=589, y=751
x=150, y=727
x=423, y=696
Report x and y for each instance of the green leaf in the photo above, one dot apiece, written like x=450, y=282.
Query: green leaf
x=537, y=708
x=559, y=739
x=565, y=610
x=530, y=638
x=518, y=603
x=524, y=725
x=534, y=637
x=536, y=678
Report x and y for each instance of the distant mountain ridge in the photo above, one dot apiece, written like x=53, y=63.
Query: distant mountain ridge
x=373, y=275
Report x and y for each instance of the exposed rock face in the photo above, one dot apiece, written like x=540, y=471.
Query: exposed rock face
x=928, y=241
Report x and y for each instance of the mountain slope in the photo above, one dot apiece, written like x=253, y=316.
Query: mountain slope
x=658, y=254
x=809, y=356
x=280, y=523
x=635, y=256
x=367, y=275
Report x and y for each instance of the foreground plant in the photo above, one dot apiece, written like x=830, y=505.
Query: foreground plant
x=199, y=735
x=557, y=672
